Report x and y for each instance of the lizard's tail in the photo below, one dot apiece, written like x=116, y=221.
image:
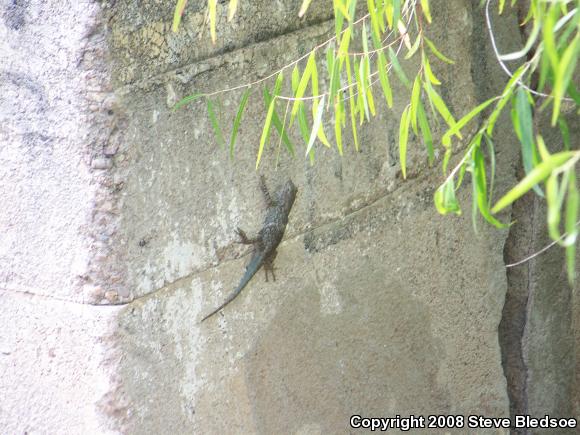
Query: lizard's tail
x=251, y=270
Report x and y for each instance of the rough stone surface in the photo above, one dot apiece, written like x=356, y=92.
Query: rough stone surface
x=123, y=238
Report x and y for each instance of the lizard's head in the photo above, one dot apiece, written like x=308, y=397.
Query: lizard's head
x=288, y=195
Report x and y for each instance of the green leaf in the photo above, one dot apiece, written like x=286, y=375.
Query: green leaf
x=310, y=66
x=212, y=6
x=565, y=131
x=384, y=78
x=426, y=10
x=426, y=132
x=237, y=121
x=508, y=90
x=187, y=100
x=446, y=139
x=429, y=72
x=403, y=136
x=537, y=175
x=445, y=199
x=563, y=75
x=338, y=121
x=304, y=7
x=177, y=14
x=397, y=67
x=481, y=188
x=278, y=125
x=415, y=99
x=526, y=134
x=414, y=47
x=440, y=106
x=316, y=124
x=436, y=52
x=501, y=5
x=571, y=226
x=233, y=6
x=362, y=95
x=351, y=103
x=266, y=130
x=214, y=123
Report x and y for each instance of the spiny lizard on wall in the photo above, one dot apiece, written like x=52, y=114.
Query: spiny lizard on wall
x=268, y=238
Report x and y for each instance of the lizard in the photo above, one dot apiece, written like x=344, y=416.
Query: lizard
x=269, y=237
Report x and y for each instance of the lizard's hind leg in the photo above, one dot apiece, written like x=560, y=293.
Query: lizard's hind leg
x=269, y=265
x=244, y=239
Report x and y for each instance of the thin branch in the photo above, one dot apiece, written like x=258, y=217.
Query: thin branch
x=541, y=251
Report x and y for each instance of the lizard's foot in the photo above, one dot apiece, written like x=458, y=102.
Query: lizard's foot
x=269, y=266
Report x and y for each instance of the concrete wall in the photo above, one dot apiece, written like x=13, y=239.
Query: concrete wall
x=120, y=237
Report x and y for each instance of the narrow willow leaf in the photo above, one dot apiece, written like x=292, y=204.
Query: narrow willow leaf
x=414, y=47
x=339, y=5
x=177, y=14
x=384, y=78
x=446, y=139
x=266, y=130
x=315, y=102
x=212, y=7
x=351, y=103
x=445, y=199
x=397, y=67
x=396, y=11
x=238, y=120
x=187, y=100
x=338, y=120
x=415, y=99
x=537, y=175
x=491, y=150
x=555, y=195
x=233, y=7
x=429, y=72
x=481, y=188
x=426, y=10
x=304, y=7
x=440, y=106
x=571, y=210
x=525, y=129
x=303, y=124
x=571, y=227
x=501, y=5
x=389, y=13
x=310, y=65
x=214, y=123
x=316, y=125
x=344, y=43
x=403, y=137
x=375, y=26
x=436, y=52
x=549, y=37
x=352, y=12
x=544, y=153
x=338, y=19
x=505, y=97
x=565, y=132
x=277, y=123
x=426, y=132
x=363, y=106
x=563, y=75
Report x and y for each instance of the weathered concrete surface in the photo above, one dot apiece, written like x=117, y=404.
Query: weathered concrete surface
x=381, y=306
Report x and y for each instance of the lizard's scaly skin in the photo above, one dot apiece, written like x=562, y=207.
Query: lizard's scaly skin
x=268, y=238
